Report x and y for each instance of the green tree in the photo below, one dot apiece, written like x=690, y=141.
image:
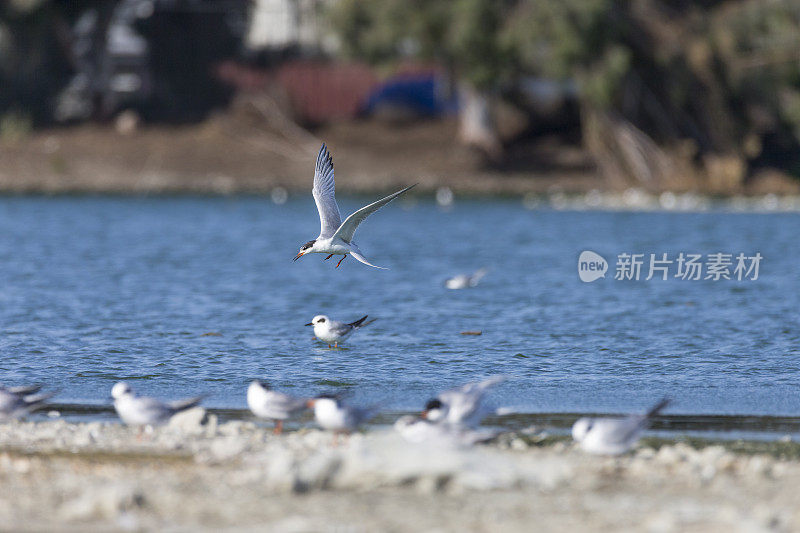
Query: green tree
x=465, y=36
x=667, y=90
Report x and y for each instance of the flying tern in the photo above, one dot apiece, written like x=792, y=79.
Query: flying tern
x=336, y=237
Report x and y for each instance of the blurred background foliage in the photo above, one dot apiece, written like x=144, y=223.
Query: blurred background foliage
x=55, y=54
x=661, y=87
x=713, y=83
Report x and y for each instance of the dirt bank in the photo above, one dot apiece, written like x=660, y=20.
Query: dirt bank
x=241, y=151
x=228, y=154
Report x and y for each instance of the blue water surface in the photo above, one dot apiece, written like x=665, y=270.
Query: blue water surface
x=98, y=289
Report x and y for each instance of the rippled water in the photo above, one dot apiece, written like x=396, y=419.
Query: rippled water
x=100, y=289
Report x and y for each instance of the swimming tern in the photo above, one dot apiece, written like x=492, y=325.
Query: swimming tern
x=465, y=281
x=461, y=406
x=336, y=237
x=16, y=402
x=141, y=411
x=273, y=405
x=613, y=436
x=333, y=331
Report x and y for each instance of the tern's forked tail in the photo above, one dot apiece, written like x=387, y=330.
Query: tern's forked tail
x=360, y=322
x=182, y=405
x=363, y=259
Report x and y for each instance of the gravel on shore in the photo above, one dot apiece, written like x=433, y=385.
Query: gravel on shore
x=198, y=474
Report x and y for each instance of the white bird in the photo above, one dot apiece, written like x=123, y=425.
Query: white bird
x=273, y=405
x=336, y=237
x=140, y=411
x=16, y=402
x=331, y=414
x=333, y=331
x=418, y=430
x=464, y=281
x=461, y=406
x=613, y=436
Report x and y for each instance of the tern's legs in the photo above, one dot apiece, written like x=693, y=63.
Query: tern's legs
x=144, y=431
x=278, y=427
x=328, y=257
x=340, y=260
x=338, y=435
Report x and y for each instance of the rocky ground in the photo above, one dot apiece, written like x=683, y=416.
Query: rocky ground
x=56, y=475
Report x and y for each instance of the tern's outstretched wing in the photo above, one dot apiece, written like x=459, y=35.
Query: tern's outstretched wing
x=349, y=226
x=464, y=403
x=475, y=389
x=324, y=194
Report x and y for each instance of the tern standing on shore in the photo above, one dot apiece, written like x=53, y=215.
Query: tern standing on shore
x=461, y=406
x=331, y=414
x=335, y=236
x=613, y=436
x=273, y=405
x=142, y=411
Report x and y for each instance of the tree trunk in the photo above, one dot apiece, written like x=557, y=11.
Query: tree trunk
x=626, y=156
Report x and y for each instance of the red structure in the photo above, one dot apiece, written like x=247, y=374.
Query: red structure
x=317, y=91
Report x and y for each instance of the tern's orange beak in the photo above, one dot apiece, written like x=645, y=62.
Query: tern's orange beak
x=310, y=403
x=424, y=414
x=298, y=256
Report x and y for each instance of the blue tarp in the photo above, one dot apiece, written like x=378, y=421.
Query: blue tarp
x=423, y=94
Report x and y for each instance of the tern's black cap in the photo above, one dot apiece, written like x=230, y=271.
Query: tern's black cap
x=433, y=404
x=328, y=396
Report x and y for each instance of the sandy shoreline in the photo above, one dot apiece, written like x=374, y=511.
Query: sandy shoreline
x=192, y=476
